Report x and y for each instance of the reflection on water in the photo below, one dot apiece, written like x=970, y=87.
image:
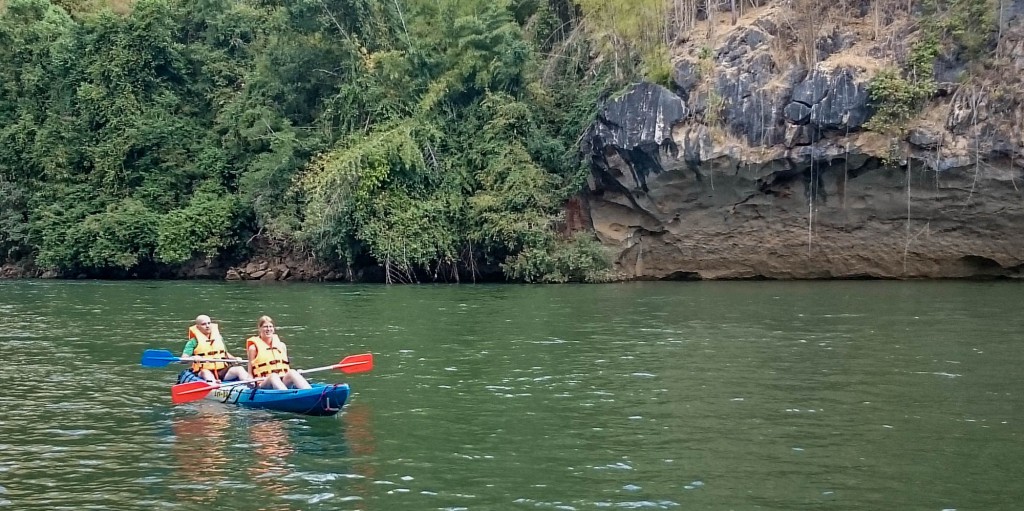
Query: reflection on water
x=271, y=449
x=200, y=451
x=225, y=456
x=362, y=447
x=359, y=430
x=203, y=461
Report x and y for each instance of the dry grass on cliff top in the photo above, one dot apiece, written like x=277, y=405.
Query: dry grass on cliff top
x=854, y=58
x=870, y=38
x=713, y=32
x=799, y=30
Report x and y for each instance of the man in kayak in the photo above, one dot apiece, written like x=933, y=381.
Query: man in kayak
x=268, y=359
x=205, y=341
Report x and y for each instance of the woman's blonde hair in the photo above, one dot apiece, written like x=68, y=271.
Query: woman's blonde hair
x=262, y=320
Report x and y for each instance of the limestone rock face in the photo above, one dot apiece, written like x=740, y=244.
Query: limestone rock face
x=281, y=267
x=830, y=99
x=765, y=169
x=638, y=136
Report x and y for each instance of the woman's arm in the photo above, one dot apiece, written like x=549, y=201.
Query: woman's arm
x=251, y=351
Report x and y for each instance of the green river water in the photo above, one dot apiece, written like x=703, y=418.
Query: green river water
x=697, y=395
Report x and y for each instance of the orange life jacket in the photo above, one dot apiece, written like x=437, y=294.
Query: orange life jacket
x=269, y=359
x=208, y=347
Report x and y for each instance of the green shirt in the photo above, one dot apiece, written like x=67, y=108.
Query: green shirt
x=190, y=348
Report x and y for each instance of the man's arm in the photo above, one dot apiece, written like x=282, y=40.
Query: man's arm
x=190, y=348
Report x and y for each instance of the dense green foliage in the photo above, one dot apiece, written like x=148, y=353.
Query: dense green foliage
x=429, y=137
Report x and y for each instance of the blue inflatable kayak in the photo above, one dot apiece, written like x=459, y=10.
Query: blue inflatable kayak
x=322, y=399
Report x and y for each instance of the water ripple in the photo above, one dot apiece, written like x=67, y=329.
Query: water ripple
x=495, y=397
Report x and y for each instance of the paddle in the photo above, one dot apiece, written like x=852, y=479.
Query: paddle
x=160, y=358
x=193, y=391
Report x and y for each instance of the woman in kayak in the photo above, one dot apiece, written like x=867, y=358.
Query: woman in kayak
x=205, y=341
x=268, y=358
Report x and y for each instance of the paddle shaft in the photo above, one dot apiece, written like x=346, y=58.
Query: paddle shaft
x=262, y=378
x=186, y=360
x=160, y=358
x=364, y=360
x=332, y=366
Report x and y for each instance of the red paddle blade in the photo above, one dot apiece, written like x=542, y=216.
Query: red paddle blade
x=192, y=391
x=356, y=363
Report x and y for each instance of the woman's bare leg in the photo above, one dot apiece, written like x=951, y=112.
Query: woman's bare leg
x=295, y=380
x=237, y=373
x=273, y=381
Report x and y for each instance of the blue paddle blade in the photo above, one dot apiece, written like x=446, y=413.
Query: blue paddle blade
x=158, y=358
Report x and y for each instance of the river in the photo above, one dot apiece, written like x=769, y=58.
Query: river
x=687, y=395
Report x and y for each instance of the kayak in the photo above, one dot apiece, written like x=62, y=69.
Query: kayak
x=323, y=399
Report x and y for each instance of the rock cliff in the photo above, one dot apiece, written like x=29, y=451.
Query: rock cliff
x=757, y=164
